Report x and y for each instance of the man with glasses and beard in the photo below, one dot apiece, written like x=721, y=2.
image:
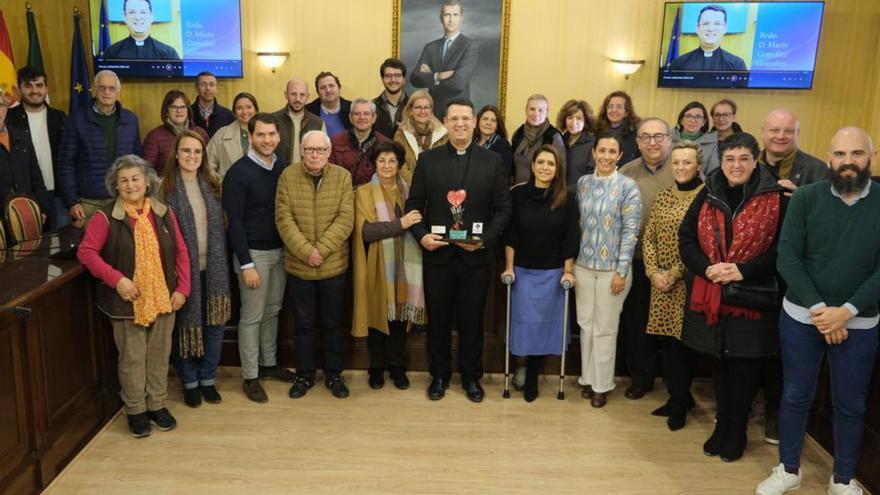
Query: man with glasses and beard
x=389, y=104
x=828, y=255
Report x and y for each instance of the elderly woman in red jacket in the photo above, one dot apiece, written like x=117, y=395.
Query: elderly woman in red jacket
x=176, y=116
x=135, y=249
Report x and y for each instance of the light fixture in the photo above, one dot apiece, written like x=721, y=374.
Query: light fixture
x=627, y=67
x=273, y=60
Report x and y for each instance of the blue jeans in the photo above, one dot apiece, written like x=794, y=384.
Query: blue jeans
x=851, y=364
x=330, y=295
x=203, y=370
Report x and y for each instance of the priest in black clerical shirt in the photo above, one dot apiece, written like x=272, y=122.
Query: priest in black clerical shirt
x=711, y=27
x=139, y=44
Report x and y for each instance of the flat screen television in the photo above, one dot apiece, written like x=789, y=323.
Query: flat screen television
x=167, y=38
x=740, y=44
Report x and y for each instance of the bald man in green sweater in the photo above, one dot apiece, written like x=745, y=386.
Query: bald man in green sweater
x=829, y=255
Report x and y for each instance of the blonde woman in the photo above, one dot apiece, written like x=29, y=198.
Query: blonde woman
x=419, y=131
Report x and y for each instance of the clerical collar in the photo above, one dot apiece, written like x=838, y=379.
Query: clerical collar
x=139, y=43
x=709, y=54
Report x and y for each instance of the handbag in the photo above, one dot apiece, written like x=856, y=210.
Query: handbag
x=760, y=295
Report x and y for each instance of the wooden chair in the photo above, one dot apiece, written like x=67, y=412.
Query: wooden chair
x=24, y=218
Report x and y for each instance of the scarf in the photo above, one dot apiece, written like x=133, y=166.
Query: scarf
x=423, y=136
x=754, y=231
x=491, y=141
x=531, y=135
x=177, y=129
x=404, y=292
x=149, y=277
x=689, y=136
x=189, y=317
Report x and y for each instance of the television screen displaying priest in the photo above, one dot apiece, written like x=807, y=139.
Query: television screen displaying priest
x=139, y=45
x=709, y=56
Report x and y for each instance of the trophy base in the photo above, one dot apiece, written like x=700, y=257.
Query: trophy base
x=466, y=240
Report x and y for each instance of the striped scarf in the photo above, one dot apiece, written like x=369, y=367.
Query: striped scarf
x=404, y=291
x=149, y=277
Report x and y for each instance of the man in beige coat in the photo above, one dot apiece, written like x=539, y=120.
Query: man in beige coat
x=314, y=213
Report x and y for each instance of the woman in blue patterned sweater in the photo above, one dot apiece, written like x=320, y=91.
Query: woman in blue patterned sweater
x=610, y=209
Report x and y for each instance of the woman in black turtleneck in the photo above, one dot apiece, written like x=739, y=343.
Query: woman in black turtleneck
x=664, y=268
x=541, y=242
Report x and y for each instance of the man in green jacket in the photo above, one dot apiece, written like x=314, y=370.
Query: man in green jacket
x=314, y=212
x=829, y=255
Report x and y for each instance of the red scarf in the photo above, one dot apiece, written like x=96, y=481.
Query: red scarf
x=754, y=231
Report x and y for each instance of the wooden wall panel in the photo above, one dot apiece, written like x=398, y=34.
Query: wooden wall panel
x=17, y=466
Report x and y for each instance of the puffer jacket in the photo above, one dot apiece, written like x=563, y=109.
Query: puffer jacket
x=84, y=162
x=310, y=216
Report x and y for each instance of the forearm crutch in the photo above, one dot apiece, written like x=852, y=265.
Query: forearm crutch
x=508, y=281
x=566, y=286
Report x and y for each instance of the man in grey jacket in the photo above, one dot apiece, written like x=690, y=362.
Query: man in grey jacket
x=792, y=167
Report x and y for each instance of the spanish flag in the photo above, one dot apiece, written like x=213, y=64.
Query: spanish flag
x=7, y=66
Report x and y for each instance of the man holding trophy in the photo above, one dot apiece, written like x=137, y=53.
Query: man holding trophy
x=462, y=193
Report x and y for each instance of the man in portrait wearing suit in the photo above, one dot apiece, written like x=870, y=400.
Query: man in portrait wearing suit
x=447, y=64
x=461, y=190
x=711, y=28
x=139, y=44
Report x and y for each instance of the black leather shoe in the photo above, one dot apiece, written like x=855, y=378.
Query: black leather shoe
x=162, y=419
x=474, y=391
x=210, y=394
x=276, y=373
x=398, y=375
x=337, y=386
x=192, y=397
x=139, y=425
x=437, y=389
x=300, y=386
x=634, y=392
x=254, y=391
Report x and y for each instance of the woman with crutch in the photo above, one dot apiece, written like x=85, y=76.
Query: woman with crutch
x=541, y=242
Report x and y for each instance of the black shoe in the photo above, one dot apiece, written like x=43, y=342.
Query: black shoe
x=437, y=389
x=712, y=446
x=337, y=386
x=376, y=378
x=530, y=389
x=192, y=397
x=771, y=430
x=162, y=419
x=276, y=373
x=734, y=445
x=139, y=425
x=300, y=386
x=635, y=392
x=210, y=394
x=254, y=391
x=664, y=410
x=587, y=392
x=474, y=391
x=676, y=419
x=398, y=375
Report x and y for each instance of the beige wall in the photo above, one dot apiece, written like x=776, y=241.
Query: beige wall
x=557, y=47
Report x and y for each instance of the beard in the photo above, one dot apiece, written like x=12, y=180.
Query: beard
x=848, y=184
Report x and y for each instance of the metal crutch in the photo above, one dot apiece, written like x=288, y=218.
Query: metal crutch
x=566, y=286
x=507, y=280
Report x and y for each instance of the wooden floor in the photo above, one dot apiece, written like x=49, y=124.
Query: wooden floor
x=391, y=441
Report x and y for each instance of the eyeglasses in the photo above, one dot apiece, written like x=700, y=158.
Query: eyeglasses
x=178, y=108
x=657, y=138
x=361, y=114
x=725, y=115
x=421, y=108
x=106, y=88
x=314, y=151
x=393, y=76
x=693, y=118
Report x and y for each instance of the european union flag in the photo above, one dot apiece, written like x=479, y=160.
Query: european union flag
x=80, y=97
x=672, y=52
x=103, y=31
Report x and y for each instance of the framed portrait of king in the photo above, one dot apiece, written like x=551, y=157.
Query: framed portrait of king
x=454, y=49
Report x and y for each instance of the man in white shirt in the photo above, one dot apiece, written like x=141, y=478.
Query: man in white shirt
x=43, y=125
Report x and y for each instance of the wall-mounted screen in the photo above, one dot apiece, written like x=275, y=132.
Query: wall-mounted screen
x=740, y=44
x=167, y=38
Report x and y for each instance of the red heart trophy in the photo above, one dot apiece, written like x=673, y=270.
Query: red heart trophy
x=456, y=202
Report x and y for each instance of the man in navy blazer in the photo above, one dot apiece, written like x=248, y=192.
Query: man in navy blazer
x=457, y=274
x=447, y=64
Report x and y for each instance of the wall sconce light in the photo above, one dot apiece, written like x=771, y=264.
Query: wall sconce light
x=272, y=60
x=627, y=67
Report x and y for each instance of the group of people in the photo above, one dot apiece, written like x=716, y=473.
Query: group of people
x=683, y=237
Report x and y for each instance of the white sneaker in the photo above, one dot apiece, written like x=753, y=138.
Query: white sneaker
x=779, y=482
x=840, y=489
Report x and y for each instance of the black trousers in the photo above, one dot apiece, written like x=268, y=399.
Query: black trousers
x=456, y=290
x=388, y=350
x=736, y=382
x=771, y=383
x=642, y=350
x=678, y=371
x=330, y=293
